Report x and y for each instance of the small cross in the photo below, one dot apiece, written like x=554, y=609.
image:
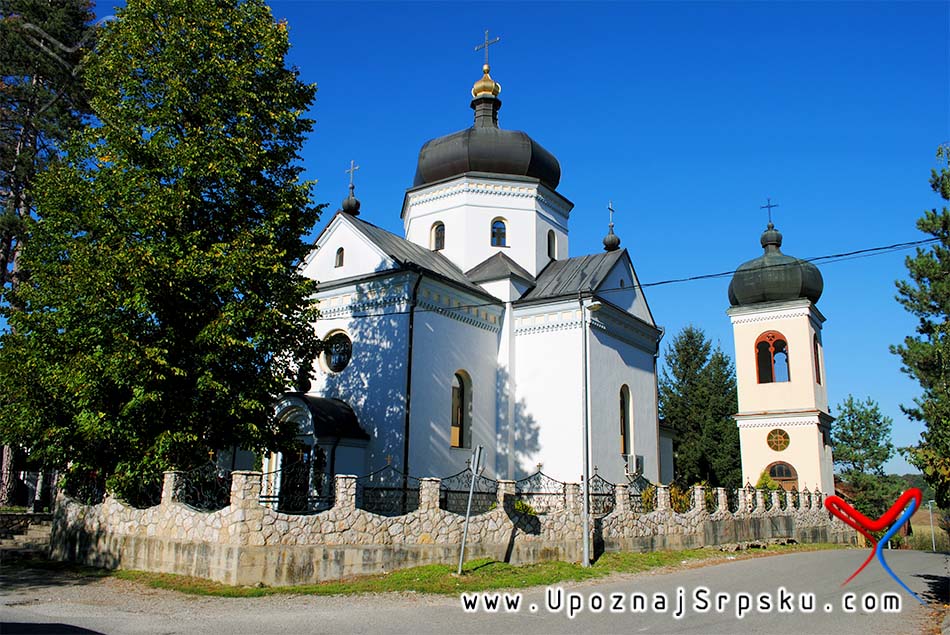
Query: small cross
x=352, y=170
x=769, y=206
x=610, y=207
x=486, y=45
x=389, y=459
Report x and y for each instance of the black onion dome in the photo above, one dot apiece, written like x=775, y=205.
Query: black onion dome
x=773, y=276
x=485, y=147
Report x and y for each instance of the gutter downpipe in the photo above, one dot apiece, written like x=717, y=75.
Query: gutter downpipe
x=585, y=479
x=405, y=451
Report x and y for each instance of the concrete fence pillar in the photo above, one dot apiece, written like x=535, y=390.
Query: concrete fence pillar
x=621, y=498
x=573, y=499
x=743, y=496
x=759, y=500
x=699, y=498
x=506, y=489
x=776, y=503
x=722, y=500
x=429, y=490
x=663, y=498
x=789, y=500
x=169, y=485
x=245, y=489
x=345, y=491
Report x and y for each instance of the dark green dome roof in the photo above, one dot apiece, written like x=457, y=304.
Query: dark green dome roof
x=773, y=276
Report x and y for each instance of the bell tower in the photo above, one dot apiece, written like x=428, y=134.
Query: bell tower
x=784, y=425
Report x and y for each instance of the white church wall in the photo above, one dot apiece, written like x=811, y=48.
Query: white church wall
x=460, y=339
x=548, y=405
x=613, y=364
x=468, y=205
x=360, y=257
x=374, y=381
x=620, y=288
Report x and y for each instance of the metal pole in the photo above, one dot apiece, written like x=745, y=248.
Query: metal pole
x=585, y=479
x=933, y=538
x=476, y=460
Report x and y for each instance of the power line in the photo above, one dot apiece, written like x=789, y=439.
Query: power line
x=827, y=258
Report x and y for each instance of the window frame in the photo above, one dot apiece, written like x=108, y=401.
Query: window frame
x=460, y=419
x=626, y=417
x=437, y=236
x=338, y=259
x=765, y=345
x=499, y=238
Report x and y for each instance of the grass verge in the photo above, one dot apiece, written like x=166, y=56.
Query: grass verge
x=478, y=575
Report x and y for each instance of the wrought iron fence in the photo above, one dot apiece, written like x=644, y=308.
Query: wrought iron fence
x=768, y=499
x=734, y=503
x=145, y=493
x=681, y=500
x=387, y=492
x=796, y=498
x=453, y=493
x=296, y=488
x=601, y=492
x=206, y=488
x=642, y=494
x=541, y=492
x=88, y=488
x=711, y=499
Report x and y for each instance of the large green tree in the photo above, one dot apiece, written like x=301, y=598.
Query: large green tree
x=164, y=310
x=698, y=399
x=862, y=445
x=41, y=103
x=926, y=355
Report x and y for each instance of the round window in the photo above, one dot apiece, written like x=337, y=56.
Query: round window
x=337, y=350
x=778, y=440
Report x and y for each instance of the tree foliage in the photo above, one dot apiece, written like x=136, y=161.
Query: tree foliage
x=862, y=438
x=698, y=399
x=164, y=310
x=41, y=103
x=926, y=355
x=862, y=445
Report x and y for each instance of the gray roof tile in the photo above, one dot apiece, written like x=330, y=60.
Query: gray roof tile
x=567, y=277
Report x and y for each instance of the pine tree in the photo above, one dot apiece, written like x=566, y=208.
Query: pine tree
x=698, y=399
x=41, y=103
x=165, y=310
x=926, y=355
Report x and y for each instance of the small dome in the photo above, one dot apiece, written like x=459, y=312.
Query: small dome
x=351, y=204
x=773, y=276
x=611, y=240
x=485, y=147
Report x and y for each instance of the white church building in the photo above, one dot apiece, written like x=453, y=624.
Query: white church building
x=478, y=328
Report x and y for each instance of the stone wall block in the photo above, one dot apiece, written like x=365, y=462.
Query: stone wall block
x=169, y=484
x=776, y=503
x=346, y=492
x=789, y=500
x=699, y=498
x=245, y=489
x=574, y=501
x=722, y=500
x=621, y=498
x=759, y=501
x=663, y=498
x=743, y=496
x=429, y=490
x=506, y=492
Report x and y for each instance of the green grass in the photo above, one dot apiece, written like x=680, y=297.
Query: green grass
x=478, y=575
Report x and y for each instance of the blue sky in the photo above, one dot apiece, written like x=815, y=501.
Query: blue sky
x=685, y=115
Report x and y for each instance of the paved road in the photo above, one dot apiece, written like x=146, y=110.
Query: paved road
x=41, y=603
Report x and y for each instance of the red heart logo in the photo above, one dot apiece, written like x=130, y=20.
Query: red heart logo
x=864, y=525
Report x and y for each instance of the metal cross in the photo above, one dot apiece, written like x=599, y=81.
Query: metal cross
x=352, y=170
x=486, y=45
x=610, y=207
x=389, y=459
x=769, y=206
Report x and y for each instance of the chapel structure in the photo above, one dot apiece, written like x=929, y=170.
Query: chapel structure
x=784, y=425
x=477, y=326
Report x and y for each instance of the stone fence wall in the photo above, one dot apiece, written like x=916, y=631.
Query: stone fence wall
x=248, y=543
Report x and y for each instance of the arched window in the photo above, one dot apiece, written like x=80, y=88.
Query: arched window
x=499, y=233
x=771, y=357
x=461, y=410
x=817, y=361
x=552, y=245
x=338, y=262
x=784, y=474
x=437, y=237
x=624, y=420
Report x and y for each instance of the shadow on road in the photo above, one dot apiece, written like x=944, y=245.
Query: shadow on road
x=26, y=628
x=938, y=588
x=23, y=573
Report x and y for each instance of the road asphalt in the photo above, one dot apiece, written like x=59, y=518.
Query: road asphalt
x=759, y=595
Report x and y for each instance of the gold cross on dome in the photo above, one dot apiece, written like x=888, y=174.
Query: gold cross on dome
x=769, y=205
x=486, y=44
x=352, y=170
x=389, y=459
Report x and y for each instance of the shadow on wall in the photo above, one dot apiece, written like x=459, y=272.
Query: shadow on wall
x=374, y=384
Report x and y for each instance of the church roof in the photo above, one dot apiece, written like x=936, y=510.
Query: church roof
x=405, y=252
x=497, y=267
x=568, y=277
